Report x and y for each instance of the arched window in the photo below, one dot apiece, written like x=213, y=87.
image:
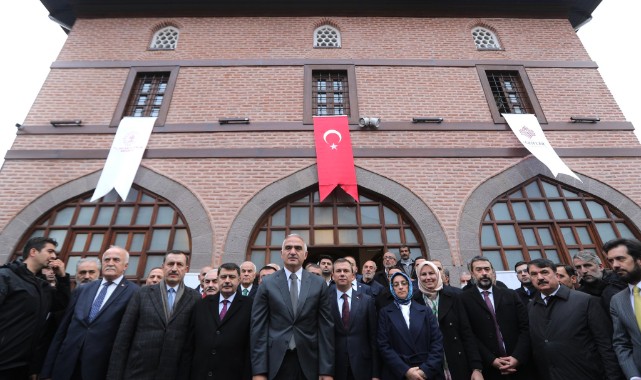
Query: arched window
x=545, y=219
x=338, y=226
x=326, y=36
x=165, y=39
x=485, y=39
x=144, y=224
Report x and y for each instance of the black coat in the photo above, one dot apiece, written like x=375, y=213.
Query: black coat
x=512, y=318
x=461, y=351
x=572, y=338
x=25, y=303
x=218, y=349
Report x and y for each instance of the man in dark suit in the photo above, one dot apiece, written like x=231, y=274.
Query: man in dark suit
x=292, y=332
x=247, y=286
x=571, y=335
x=85, y=337
x=526, y=290
x=154, y=328
x=369, y=269
x=624, y=256
x=389, y=261
x=355, y=325
x=499, y=321
x=218, y=346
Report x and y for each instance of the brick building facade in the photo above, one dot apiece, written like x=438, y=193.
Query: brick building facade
x=433, y=186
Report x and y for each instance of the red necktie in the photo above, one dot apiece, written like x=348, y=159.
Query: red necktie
x=224, y=310
x=345, y=310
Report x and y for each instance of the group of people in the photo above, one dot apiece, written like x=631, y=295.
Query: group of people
x=321, y=321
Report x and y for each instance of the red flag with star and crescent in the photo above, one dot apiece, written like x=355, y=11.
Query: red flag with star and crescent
x=334, y=156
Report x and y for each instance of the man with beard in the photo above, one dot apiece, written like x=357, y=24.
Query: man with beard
x=87, y=270
x=500, y=324
x=326, y=265
x=526, y=291
x=406, y=264
x=596, y=281
x=369, y=270
x=625, y=257
x=571, y=335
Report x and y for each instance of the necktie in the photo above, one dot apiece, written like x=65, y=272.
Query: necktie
x=245, y=292
x=171, y=295
x=293, y=294
x=499, y=337
x=97, y=303
x=546, y=300
x=637, y=305
x=345, y=315
x=224, y=310
x=293, y=290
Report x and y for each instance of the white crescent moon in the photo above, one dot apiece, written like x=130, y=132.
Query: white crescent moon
x=330, y=132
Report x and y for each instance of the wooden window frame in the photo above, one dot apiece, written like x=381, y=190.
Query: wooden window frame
x=308, y=90
x=128, y=87
x=527, y=85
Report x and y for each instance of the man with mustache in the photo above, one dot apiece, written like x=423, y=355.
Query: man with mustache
x=85, y=337
x=571, y=335
x=499, y=321
x=210, y=282
x=87, y=270
x=218, y=345
x=154, y=328
x=624, y=256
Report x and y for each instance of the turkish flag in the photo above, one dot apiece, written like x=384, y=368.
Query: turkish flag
x=334, y=157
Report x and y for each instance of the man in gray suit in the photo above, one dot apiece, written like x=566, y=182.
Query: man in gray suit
x=292, y=331
x=625, y=308
x=155, y=326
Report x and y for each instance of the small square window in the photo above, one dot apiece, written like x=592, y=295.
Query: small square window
x=508, y=90
x=147, y=92
x=330, y=90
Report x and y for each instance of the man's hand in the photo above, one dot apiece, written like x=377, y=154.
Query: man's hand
x=259, y=377
x=325, y=377
x=476, y=375
x=415, y=373
x=58, y=267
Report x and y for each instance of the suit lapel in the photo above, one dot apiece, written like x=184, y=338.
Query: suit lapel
x=281, y=282
x=333, y=299
x=628, y=312
x=357, y=301
x=213, y=304
x=116, y=293
x=156, y=300
x=304, y=290
x=396, y=316
x=445, y=303
x=418, y=316
x=233, y=309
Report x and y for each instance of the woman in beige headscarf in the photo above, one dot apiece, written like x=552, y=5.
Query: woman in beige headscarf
x=462, y=359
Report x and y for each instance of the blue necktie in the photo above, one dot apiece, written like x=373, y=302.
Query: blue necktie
x=171, y=294
x=97, y=303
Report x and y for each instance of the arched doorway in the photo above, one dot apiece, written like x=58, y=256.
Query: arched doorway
x=145, y=224
x=337, y=227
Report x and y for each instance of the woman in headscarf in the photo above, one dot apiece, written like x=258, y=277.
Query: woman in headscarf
x=409, y=340
x=462, y=360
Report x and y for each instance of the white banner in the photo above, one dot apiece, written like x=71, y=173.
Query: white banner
x=527, y=129
x=124, y=157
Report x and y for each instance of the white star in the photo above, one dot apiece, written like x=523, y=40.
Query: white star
x=333, y=146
